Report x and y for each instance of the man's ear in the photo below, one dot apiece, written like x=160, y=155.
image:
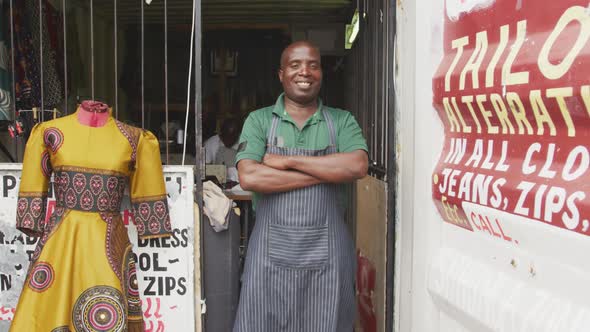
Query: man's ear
x=280, y=72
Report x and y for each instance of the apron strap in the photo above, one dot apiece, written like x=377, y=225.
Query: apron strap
x=271, y=139
x=331, y=129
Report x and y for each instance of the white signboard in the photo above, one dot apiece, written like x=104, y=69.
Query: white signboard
x=165, y=267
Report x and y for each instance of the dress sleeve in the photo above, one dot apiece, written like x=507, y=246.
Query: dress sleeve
x=32, y=195
x=148, y=192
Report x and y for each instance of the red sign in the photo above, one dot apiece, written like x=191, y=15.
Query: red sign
x=513, y=93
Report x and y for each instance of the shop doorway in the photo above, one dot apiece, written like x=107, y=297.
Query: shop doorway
x=135, y=55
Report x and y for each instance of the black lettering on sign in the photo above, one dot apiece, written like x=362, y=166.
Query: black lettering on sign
x=160, y=285
x=146, y=261
x=148, y=290
x=30, y=254
x=165, y=242
x=164, y=286
x=170, y=285
x=155, y=242
x=5, y=282
x=142, y=243
x=18, y=238
x=8, y=183
x=157, y=266
x=175, y=242
x=179, y=181
x=181, y=286
x=179, y=238
x=184, y=234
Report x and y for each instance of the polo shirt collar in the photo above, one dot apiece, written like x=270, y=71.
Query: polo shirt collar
x=279, y=109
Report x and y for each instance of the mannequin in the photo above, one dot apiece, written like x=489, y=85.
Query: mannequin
x=96, y=288
x=93, y=113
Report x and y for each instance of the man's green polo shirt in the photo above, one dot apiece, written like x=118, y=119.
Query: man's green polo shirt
x=313, y=136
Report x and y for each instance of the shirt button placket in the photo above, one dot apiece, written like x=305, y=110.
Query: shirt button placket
x=300, y=142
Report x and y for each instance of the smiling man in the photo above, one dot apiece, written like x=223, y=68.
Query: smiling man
x=295, y=155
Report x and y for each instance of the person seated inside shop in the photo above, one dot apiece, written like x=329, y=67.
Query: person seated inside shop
x=221, y=149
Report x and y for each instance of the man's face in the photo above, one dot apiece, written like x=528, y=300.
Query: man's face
x=301, y=73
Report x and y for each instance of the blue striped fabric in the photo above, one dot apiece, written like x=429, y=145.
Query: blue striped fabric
x=300, y=265
x=298, y=247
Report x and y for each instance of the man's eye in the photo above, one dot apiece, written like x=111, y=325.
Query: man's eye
x=295, y=65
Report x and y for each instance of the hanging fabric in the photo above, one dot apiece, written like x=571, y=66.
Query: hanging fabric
x=52, y=86
x=5, y=94
x=28, y=36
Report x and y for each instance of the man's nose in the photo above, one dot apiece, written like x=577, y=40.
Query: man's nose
x=304, y=71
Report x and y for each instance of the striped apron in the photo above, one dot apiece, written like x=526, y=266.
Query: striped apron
x=299, y=269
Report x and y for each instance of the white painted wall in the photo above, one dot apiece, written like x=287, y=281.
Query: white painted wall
x=448, y=279
x=419, y=131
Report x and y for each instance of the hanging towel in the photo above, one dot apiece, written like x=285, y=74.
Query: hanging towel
x=216, y=206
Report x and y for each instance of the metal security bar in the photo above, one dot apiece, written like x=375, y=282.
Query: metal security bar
x=143, y=68
x=92, y=49
x=64, y=18
x=13, y=72
x=369, y=68
x=41, y=58
x=371, y=75
x=116, y=42
x=88, y=81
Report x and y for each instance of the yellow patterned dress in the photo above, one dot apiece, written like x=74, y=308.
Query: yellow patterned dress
x=82, y=275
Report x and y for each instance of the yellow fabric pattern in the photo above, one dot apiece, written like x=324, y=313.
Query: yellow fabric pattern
x=82, y=273
x=34, y=183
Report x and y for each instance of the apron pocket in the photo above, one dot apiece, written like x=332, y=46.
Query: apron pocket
x=298, y=247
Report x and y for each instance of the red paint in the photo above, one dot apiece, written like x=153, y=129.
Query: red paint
x=487, y=221
x=474, y=221
x=146, y=312
x=159, y=325
x=8, y=312
x=365, y=285
x=157, y=311
x=483, y=224
x=504, y=236
x=531, y=106
x=128, y=217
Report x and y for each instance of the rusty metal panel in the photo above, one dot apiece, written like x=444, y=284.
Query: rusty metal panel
x=371, y=237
